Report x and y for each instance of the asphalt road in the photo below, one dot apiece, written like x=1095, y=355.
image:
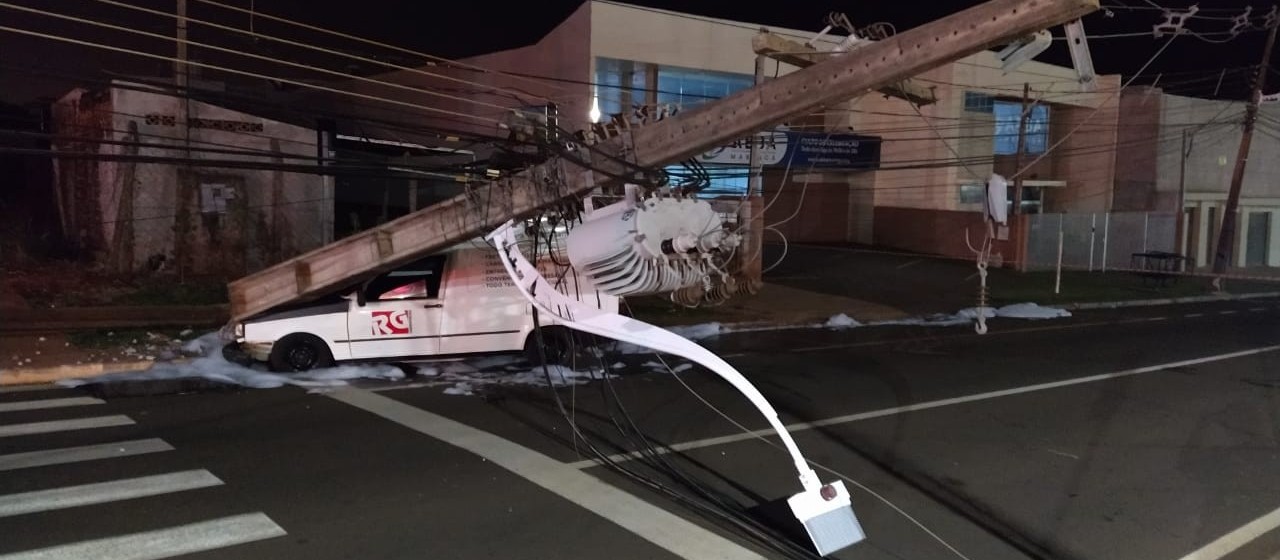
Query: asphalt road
x=1148, y=433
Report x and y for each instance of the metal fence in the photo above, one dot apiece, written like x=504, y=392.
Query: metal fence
x=1098, y=241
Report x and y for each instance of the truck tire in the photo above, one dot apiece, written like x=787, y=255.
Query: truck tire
x=558, y=345
x=299, y=352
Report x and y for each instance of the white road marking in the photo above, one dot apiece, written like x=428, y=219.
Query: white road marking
x=103, y=492
x=48, y=403
x=64, y=425
x=1227, y=312
x=803, y=426
x=1191, y=315
x=1257, y=309
x=164, y=543
x=650, y=522
x=65, y=455
x=1232, y=541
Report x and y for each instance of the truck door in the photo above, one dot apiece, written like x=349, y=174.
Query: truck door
x=401, y=313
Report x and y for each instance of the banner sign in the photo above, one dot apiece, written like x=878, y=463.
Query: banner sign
x=802, y=149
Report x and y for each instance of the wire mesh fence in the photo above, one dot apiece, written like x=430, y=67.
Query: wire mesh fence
x=1100, y=241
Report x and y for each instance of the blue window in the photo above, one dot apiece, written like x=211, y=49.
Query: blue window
x=684, y=87
x=726, y=179
x=689, y=88
x=1006, y=135
x=610, y=87
x=977, y=102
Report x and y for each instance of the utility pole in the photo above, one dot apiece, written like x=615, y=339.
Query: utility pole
x=680, y=137
x=752, y=212
x=1226, y=239
x=1022, y=146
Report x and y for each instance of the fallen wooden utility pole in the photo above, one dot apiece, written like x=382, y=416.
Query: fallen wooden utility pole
x=668, y=141
x=797, y=54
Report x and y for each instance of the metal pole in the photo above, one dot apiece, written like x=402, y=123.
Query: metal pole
x=1226, y=239
x=1022, y=146
x=1106, y=238
x=1146, y=221
x=1057, y=280
x=1093, y=227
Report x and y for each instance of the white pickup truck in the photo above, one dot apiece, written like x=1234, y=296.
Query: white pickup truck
x=454, y=303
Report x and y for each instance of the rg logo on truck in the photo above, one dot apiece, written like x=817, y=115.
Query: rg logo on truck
x=390, y=322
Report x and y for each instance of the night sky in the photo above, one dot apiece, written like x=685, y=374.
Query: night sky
x=36, y=68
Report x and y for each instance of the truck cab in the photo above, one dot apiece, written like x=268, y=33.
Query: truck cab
x=455, y=303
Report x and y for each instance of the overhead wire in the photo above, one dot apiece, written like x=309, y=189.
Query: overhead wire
x=242, y=53
x=1096, y=109
x=388, y=46
x=313, y=47
x=299, y=83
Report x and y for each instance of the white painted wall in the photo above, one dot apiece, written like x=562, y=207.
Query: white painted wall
x=306, y=201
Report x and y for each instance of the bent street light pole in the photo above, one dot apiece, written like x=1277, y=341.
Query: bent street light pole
x=487, y=206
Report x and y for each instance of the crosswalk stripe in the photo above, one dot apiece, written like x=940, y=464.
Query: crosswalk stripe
x=64, y=425
x=48, y=403
x=65, y=455
x=103, y=492
x=164, y=543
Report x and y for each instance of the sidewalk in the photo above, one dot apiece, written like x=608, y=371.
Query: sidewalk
x=924, y=284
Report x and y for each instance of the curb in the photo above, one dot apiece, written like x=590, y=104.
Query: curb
x=32, y=376
x=1166, y=301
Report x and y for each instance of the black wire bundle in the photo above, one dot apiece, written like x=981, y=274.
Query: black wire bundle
x=698, y=497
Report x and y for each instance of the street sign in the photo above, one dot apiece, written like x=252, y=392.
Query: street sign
x=781, y=147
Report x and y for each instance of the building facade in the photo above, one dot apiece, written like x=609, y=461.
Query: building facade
x=1181, y=159
x=127, y=198
x=608, y=57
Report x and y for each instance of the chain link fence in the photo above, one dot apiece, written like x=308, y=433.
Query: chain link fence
x=1098, y=241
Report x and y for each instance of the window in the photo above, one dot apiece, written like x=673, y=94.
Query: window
x=973, y=194
x=611, y=89
x=683, y=87
x=726, y=180
x=689, y=88
x=977, y=102
x=416, y=280
x=1006, y=135
x=414, y=289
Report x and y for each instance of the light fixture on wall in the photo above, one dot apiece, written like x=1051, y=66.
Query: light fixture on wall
x=594, y=114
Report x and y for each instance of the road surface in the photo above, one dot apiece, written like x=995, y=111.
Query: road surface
x=1147, y=433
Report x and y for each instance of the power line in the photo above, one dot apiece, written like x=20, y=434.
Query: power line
x=242, y=73
x=322, y=49
x=288, y=63
x=388, y=46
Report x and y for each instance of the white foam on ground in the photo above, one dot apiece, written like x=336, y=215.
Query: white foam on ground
x=1031, y=311
x=841, y=321
x=212, y=366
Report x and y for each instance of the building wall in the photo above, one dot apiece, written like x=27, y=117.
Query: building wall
x=208, y=220
x=1086, y=159
x=670, y=38
x=1139, y=140
x=943, y=232
x=1214, y=135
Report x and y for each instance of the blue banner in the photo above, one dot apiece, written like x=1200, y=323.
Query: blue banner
x=801, y=149
x=842, y=151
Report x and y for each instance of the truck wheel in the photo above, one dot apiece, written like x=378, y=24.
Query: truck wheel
x=299, y=352
x=558, y=344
